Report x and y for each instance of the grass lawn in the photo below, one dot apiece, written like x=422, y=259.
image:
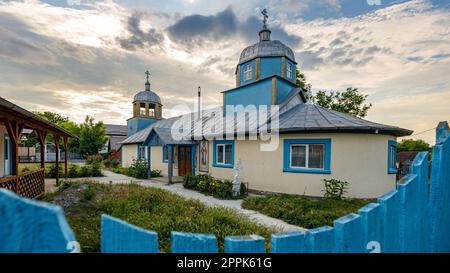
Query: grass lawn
x=149, y=208
x=303, y=211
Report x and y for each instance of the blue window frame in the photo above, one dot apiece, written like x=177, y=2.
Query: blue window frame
x=223, y=153
x=392, y=157
x=165, y=154
x=141, y=151
x=307, y=155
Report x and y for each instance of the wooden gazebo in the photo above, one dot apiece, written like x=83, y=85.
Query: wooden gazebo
x=15, y=119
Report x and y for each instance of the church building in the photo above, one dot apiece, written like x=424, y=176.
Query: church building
x=315, y=143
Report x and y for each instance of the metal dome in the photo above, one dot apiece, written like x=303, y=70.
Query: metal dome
x=266, y=48
x=147, y=96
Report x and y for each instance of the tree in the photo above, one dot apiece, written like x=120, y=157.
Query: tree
x=92, y=136
x=416, y=145
x=350, y=102
x=301, y=81
x=52, y=117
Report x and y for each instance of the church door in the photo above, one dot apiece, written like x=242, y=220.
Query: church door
x=184, y=160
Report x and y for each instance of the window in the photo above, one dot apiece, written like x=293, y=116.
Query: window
x=223, y=153
x=289, y=71
x=142, y=152
x=165, y=153
x=248, y=72
x=392, y=157
x=307, y=155
x=6, y=148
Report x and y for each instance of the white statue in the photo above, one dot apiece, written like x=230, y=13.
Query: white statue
x=237, y=179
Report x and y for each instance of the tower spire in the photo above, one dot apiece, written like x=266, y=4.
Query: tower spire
x=264, y=34
x=147, y=84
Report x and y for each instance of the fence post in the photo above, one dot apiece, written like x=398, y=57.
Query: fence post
x=193, y=243
x=389, y=204
x=349, y=234
x=409, y=211
x=439, y=197
x=371, y=225
x=293, y=242
x=121, y=237
x=244, y=244
x=420, y=168
x=320, y=240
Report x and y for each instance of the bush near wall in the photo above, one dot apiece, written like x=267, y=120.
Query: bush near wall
x=209, y=185
x=139, y=170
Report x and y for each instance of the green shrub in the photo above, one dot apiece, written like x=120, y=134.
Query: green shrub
x=211, y=186
x=89, y=193
x=138, y=169
x=95, y=170
x=156, y=173
x=50, y=171
x=190, y=181
x=85, y=171
x=94, y=159
x=73, y=171
x=111, y=162
x=25, y=169
x=335, y=189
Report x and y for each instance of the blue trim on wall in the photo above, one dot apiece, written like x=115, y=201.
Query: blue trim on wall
x=193, y=161
x=327, y=157
x=164, y=159
x=149, y=161
x=219, y=165
x=392, y=169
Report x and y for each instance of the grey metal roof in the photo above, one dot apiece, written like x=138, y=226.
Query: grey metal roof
x=309, y=117
x=114, y=141
x=142, y=135
x=147, y=96
x=273, y=48
x=113, y=129
x=165, y=136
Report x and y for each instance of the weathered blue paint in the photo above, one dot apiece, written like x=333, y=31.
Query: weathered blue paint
x=137, y=124
x=270, y=66
x=121, y=237
x=193, y=243
x=259, y=93
x=409, y=213
x=244, y=244
x=28, y=226
x=439, y=196
x=371, y=222
x=392, y=168
x=348, y=235
x=284, y=87
x=193, y=160
x=287, y=158
x=389, y=210
x=293, y=242
x=320, y=240
x=220, y=165
x=420, y=168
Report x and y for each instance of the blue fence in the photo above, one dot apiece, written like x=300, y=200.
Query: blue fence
x=413, y=218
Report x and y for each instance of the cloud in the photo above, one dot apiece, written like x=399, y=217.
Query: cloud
x=139, y=38
x=196, y=29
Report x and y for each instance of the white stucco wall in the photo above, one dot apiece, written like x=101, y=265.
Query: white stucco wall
x=359, y=159
x=158, y=164
x=129, y=153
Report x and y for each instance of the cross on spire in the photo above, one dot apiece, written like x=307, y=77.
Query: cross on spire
x=147, y=84
x=265, y=16
x=148, y=74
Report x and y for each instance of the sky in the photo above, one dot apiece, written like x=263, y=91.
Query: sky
x=86, y=57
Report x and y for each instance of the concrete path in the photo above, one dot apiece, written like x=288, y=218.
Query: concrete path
x=210, y=201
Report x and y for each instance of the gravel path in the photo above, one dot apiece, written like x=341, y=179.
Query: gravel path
x=210, y=201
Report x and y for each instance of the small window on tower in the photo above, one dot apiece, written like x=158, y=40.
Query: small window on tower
x=248, y=72
x=142, y=109
x=289, y=71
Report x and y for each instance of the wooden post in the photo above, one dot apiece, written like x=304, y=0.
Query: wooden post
x=42, y=135
x=14, y=129
x=65, y=156
x=170, y=167
x=56, y=138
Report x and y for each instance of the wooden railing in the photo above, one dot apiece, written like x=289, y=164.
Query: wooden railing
x=29, y=184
